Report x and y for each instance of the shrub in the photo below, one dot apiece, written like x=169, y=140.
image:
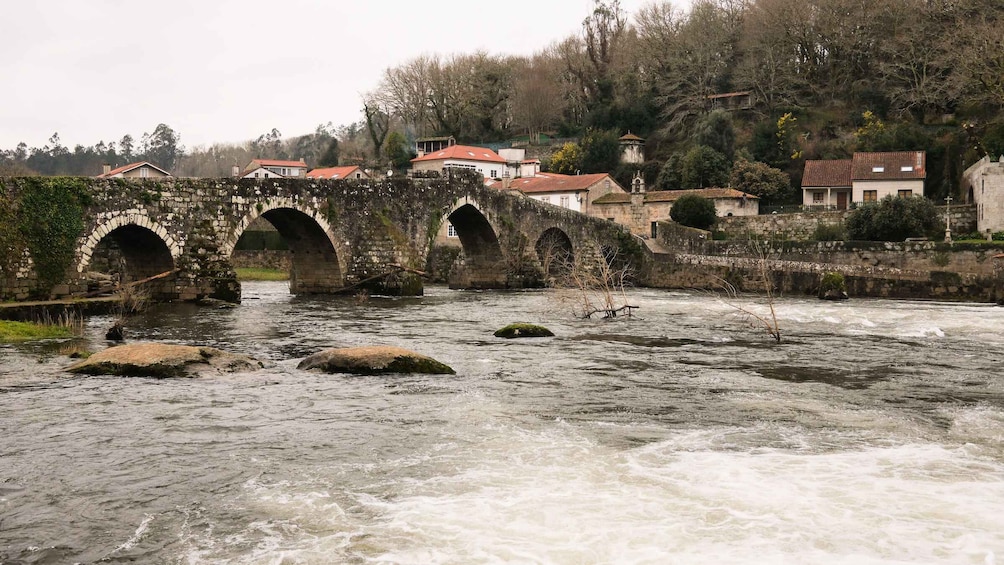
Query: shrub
x=694, y=211
x=829, y=232
x=832, y=281
x=893, y=219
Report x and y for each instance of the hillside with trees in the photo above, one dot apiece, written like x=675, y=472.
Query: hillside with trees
x=825, y=78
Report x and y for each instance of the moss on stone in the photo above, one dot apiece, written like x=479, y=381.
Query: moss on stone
x=523, y=329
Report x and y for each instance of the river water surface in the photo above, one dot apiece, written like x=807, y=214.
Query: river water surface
x=874, y=433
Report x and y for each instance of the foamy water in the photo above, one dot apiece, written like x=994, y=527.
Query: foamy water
x=873, y=434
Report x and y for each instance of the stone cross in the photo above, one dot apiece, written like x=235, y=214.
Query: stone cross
x=948, y=219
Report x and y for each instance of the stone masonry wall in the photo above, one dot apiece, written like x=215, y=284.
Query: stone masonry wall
x=801, y=226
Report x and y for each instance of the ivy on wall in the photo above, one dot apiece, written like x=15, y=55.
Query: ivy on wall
x=46, y=216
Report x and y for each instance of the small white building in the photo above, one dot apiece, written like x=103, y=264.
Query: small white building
x=140, y=170
x=273, y=168
x=985, y=180
x=488, y=163
x=632, y=149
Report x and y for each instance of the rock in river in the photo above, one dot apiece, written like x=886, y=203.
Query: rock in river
x=162, y=360
x=522, y=329
x=374, y=360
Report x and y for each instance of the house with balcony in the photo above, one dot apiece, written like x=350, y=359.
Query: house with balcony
x=485, y=161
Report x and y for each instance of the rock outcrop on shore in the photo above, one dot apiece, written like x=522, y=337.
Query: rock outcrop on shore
x=163, y=360
x=374, y=360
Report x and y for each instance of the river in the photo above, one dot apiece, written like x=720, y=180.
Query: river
x=874, y=433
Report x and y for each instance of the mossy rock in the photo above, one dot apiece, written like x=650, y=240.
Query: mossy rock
x=162, y=360
x=833, y=287
x=522, y=329
x=374, y=360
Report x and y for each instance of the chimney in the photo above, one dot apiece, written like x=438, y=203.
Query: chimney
x=235, y=171
x=106, y=168
x=506, y=180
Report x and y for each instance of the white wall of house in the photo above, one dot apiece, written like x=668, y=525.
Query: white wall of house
x=290, y=172
x=487, y=170
x=884, y=188
x=261, y=173
x=569, y=199
x=529, y=169
x=737, y=207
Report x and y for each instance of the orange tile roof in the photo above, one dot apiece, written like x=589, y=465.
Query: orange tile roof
x=553, y=182
x=630, y=137
x=896, y=165
x=829, y=173
x=332, y=172
x=129, y=167
x=462, y=152
x=672, y=195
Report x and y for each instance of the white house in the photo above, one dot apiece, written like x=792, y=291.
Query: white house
x=141, y=170
x=488, y=163
x=866, y=177
x=574, y=192
x=273, y=168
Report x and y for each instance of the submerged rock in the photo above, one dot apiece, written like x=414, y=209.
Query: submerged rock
x=374, y=360
x=163, y=360
x=522, y=329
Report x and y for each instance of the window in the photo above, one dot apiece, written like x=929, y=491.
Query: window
x=564, y=201
x=144, y=172
x=451, y=231
x=545, y=199
x=494, y=173
x=904, y=193
x=360, y=175
x=906, y=169
x=256, y=175
x=817, y=197
x=878, y=169
x=871, y=196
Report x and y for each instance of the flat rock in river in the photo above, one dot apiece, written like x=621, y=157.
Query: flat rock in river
x=374, y=360
x=162, y=360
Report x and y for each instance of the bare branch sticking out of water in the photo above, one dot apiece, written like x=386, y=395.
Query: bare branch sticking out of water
x=766, y=322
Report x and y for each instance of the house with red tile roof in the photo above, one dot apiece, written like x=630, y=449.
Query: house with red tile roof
x=274, y=168
x=335, y=173
x=574, y=192
x=488, y=163
x=866, y=177
x=139, y=170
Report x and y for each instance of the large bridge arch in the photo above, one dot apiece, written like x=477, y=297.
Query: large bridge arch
x=481, y=262
x=140, y=249
x=316, y=264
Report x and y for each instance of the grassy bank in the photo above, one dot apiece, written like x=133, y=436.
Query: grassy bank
x=258, y=274
x=24, y=331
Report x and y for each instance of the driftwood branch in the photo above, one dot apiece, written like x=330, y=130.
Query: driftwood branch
x=396, y=269
x=117, y=287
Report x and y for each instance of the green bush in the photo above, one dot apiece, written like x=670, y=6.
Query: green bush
x=829, y=232
x=694, y=211
x=893, y=219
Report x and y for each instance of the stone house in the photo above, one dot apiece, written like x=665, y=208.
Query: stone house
x=985, y=188
x=866, y=177
x=273, y=168
x=347, y=172
x=641, y=211
x=140, y=170
x=488, y=163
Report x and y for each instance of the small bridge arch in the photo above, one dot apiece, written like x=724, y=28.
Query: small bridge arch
x=481, y=263
x=133, y=247
x=316, y=265
x=556, y=254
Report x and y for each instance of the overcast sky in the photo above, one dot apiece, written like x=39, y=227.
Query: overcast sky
x=229, y=70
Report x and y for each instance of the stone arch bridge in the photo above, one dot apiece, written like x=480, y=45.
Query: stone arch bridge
x=342, y=235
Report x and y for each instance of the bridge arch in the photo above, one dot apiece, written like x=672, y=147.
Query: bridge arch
x=133, y=247
x=316, y=266
x=481, y=264
x=556, y=254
